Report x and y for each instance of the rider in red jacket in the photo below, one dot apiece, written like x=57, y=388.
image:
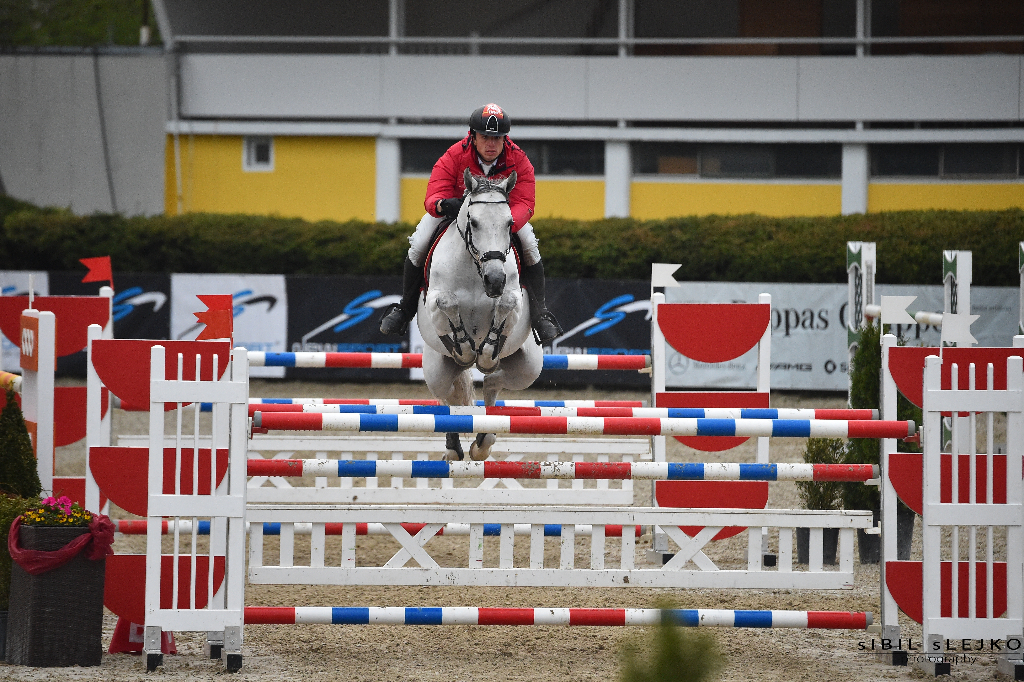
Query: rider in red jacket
x=486, y=151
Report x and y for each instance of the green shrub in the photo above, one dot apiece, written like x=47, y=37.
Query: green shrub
x=672, y=654
x=865, y=386
x=18, y=475
x=822, y=494
x=11, y=507
x=747, y=248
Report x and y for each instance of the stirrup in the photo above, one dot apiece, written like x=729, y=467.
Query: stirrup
x=545, y=328
x=394, y=320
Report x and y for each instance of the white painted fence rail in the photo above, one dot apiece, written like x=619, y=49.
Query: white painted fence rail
x=349, y=570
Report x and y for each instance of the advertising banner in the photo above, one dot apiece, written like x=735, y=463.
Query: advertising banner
x=342, y=314
x=260, y=311
x=809, y=346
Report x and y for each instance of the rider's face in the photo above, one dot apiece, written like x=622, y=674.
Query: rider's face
x=488, y=147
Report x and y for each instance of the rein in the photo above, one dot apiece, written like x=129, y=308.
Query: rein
x=467, y=239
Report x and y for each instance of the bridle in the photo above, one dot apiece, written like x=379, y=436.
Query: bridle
x=467, y=237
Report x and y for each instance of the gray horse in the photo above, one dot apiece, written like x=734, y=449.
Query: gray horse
x=474, y=313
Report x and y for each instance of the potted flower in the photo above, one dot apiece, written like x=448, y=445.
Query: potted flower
x=19, y=490
x=57, y=580
x=820, y=495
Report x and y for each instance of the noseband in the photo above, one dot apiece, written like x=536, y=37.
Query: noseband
x=467, y=238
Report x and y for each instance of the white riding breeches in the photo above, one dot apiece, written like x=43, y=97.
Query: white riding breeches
x=419, y=241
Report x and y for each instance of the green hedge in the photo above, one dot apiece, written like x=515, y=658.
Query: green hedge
x=749, y=248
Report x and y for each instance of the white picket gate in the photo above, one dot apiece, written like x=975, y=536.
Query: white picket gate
x=225, y=507
x=981, y=515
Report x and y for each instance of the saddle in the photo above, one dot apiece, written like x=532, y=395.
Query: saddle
x=439, y=232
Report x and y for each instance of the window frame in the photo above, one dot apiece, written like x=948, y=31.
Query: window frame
x=249, y=162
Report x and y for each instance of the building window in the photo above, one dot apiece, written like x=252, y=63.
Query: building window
x=419, y=156
x=979, y=160
x=258, y=154
x=548, y=158
x=578, y=157
x=948, y=161
x=738, y=160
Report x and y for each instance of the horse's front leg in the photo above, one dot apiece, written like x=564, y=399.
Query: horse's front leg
x=506, y=313
x=504, y=318
x=480, y=448
x=446, y=320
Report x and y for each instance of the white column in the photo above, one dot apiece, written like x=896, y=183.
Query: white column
x=389, y=160
x=855, y=179
x=617, y=178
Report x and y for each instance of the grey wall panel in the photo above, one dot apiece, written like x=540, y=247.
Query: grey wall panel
x=51, y=146
x=444, y=87
x=702, y=89
x=280, y=86
x=910, y=88
x=605, y=88
x=135, y=105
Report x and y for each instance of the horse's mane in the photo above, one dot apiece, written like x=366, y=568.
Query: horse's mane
x=486, y=184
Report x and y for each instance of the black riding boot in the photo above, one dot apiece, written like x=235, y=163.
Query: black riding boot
x=544, y=324
x=397, y=315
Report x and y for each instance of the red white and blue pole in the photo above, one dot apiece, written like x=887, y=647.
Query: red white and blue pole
x=728, y=618
x=618, y=426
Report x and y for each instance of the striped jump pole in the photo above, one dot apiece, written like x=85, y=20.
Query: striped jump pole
x=454, y=615
x=413, y=360
x=430, y=401
x=138, y=527
x=562, y=411
x=11, y=381
x=660, y=471
x=618, y=426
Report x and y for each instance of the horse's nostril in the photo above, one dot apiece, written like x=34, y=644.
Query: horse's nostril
x=494, y=284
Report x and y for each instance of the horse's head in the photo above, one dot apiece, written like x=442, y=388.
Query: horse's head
x=485, y=223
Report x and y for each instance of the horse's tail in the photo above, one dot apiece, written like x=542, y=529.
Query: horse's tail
x=463, y=391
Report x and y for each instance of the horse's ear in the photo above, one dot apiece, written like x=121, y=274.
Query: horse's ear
x=510, y=182
x=469, y=180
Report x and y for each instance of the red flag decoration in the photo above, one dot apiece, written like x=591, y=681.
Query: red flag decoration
x=99, y=270
x=217, y=317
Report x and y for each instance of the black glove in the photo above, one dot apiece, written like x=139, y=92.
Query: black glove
x=451, y=207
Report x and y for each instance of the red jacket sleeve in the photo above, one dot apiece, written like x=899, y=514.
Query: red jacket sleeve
x=444, y=180
x=523, y=197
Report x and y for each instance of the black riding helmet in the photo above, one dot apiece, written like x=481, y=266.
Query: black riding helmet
x=490, y=120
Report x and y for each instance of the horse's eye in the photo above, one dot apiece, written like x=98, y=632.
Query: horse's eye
x=472, y=222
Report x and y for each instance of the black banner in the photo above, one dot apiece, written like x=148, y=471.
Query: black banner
x=142, y=308
x=342, y=314
x=599, y=317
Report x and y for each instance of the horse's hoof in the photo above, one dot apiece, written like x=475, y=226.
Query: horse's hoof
x=480, y=448
x=454, y=451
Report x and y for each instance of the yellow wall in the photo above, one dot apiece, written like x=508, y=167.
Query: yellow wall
x=945, y=195
x=654, y=200
x=315, y=178
x=414, y=191
x=577, y=199
x=573, y=199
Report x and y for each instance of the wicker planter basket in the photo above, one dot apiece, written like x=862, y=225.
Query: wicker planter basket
x=56, y=618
